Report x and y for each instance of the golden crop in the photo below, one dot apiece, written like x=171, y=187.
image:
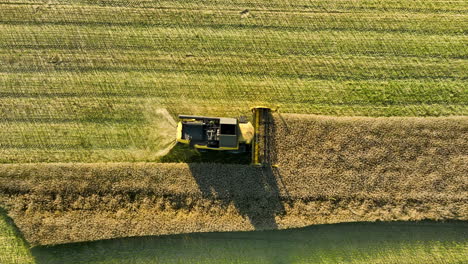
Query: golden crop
x=327, y=170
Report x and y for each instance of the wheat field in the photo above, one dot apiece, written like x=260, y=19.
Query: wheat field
x=327, y=170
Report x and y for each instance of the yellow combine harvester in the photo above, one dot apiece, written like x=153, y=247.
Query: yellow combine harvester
x=228, y=134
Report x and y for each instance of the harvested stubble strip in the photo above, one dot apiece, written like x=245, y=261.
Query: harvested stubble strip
x=329, y=170
x=379, y=158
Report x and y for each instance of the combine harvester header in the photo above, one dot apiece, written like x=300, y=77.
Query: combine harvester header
x=263, y=122
x=229, y=134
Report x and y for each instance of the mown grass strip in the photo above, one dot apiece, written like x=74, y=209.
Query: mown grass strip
x=232, y=41
x=216, y=17
x=302, y=5
x=115, y=87
x=291, y=67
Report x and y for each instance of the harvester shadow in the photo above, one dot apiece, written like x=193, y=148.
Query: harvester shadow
x=252, y=190
x=255, y=191
x=186, y=154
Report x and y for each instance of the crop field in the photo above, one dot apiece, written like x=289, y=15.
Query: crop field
x=80, y=81
x=373, y=126
x=344, y=169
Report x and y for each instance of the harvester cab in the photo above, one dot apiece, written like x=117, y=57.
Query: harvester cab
x=228, y=134
x=215, y=133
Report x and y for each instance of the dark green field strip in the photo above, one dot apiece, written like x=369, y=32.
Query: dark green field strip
x=350, y=243
x=459, y=6
x=436, y=23
x=315, y=67
x=232, y=41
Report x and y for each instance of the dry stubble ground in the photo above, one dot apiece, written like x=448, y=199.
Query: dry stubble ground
x=330, y=169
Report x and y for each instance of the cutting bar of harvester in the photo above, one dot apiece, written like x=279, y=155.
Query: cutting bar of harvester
x=262, y=121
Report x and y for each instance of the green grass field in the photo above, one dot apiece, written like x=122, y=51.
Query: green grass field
x=80, y=80
x=13, y=248
x=403, y=242
x=352, y=243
